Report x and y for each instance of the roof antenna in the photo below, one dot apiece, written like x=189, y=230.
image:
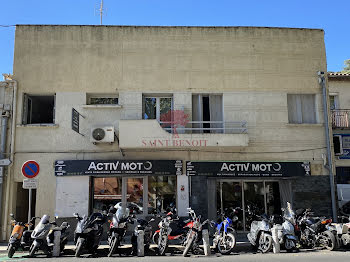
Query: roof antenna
x=100, y=10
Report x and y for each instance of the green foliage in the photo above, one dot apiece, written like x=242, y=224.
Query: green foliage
x=346, y=69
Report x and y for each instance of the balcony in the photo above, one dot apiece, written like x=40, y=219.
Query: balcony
x=340, y=118
x=198, y=134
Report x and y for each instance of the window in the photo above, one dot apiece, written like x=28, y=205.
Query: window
x=38, y=109
x=207, y=112
x=154, y=107
x=338, y=145
x=102, y=99
x=333, y=100
x=343, y=175
x=301, y=109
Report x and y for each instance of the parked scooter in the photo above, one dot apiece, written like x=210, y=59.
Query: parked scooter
x=88, y=232
x=224, y=239
x=118, y=226
x=143, y=225
x=313, y=231
x=171, y=228
x=43, y=236
x=260, y=234
x=286, y=234
x=194, y=235
x=20, y=238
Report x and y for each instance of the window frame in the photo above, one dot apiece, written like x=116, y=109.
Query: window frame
x=26, y=98
x=157, y=97
x=98, y=95
x=299, y=109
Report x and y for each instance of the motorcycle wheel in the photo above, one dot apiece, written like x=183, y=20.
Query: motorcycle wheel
x=265, y=243
x=32, y=250
x=79, y=247
x=328, y=240
x=11, y=251
x=289, y=245
x=162, y=244
x=226, y=244
x=155, y=238
x=189, y=242
x=113, y=247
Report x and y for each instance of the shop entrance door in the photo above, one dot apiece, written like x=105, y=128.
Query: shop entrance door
x=134, y=195
x=262, y=196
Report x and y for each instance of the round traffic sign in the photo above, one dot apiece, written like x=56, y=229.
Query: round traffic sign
x=30, y=169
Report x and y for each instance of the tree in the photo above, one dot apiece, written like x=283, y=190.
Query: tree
x=346, y=69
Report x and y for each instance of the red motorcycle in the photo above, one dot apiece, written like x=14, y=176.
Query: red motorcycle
x=171, y=227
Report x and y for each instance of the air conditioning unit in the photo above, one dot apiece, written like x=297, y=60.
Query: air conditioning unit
x=103, y=134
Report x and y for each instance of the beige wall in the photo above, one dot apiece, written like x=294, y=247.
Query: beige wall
x=254, y=69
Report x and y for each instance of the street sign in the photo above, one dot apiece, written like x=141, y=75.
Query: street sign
x=30, y=183
x=30, y=169
x=5, y=162
x=75, y=120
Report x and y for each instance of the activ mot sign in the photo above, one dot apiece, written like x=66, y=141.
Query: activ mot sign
x=117, y=167
x=248, y=169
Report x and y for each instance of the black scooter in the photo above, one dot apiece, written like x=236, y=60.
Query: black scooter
x=143, y=225
x=88, y=232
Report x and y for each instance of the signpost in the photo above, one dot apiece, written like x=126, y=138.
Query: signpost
x=30, y=169
x=5, y=162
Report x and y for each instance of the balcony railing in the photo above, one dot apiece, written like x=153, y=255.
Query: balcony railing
x=200, y=127
x=340, y=118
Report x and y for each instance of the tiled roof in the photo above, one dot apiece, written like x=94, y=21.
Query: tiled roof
x=332, y=74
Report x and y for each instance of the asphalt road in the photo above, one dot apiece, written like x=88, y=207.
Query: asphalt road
x=310, y=256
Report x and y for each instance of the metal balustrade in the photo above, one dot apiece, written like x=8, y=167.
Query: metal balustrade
x=340, y=118
x=200, y=127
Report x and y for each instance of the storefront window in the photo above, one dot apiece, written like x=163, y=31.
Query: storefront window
x=273, y=199
x=107, y=192
x=134, y=195
x=161, y=193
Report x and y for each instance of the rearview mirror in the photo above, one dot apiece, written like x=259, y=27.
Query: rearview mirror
x=75, y=214
x=12, y=216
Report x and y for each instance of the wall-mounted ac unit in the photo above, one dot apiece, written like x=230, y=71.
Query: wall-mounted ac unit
x=103, y=134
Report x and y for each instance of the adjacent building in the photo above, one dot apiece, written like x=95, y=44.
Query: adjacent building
x=153, y=117
x=339, y=96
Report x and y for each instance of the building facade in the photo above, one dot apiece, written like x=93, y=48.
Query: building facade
x=152, y=117
x=339, y=86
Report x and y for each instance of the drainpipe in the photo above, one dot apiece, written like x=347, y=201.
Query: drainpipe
x=4, y=121
x=12, y=148
x=322, y=82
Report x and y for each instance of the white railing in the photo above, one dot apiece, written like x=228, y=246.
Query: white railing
x=198, y=127
x=340, y=118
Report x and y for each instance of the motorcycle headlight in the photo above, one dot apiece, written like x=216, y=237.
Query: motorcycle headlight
x=15, y=235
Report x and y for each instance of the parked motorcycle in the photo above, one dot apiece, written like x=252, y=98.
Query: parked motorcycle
x=171, y=228
x=88, y=232
x=341, y=231
x=143, y=225
x=118, y=226
x=224, y=239
x=43, y=236
x=260, y=234
x=194, y=235
x=20, y=238
x=313, y=231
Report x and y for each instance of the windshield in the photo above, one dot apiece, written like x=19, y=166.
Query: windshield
x=121, y=214
x=289, y=213
x=45, y=219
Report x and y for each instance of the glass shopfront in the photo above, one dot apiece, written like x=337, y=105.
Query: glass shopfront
x=263, y=196
x=142, y=195
x=144, y=186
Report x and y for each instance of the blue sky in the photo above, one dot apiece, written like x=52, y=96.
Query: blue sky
x=333, y=17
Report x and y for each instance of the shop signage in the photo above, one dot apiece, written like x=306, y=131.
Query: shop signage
x=345, y=146
x=248, y=169
x=117, y=167
x=75, y=120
